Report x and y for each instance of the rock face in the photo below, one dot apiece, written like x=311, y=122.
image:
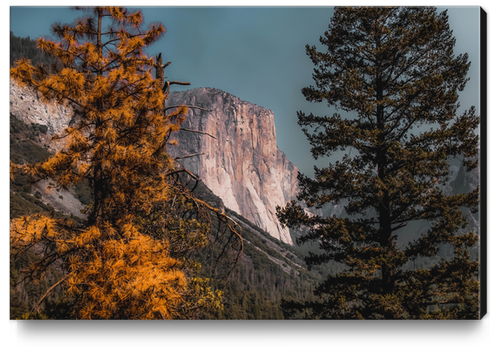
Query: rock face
x=242, y=164
x=243, y=168
x=27, y=106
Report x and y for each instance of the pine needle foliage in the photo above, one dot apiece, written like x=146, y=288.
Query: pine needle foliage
x=116, y=266
x=394, y=74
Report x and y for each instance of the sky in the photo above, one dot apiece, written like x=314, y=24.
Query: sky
x=255, y=53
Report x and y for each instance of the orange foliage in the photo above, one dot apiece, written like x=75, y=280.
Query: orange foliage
x=116, y=143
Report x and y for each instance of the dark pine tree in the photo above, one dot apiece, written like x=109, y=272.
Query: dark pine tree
x=395, y=75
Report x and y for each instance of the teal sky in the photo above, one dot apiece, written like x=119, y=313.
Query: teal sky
x=254, y=53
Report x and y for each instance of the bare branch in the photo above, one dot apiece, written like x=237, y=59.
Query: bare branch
x=196, y=107
x=36, y=308
x=222, y=215
x=183, y=170
x=197, y=131
x=187, y=156
x=179, y=83
x=167, y=84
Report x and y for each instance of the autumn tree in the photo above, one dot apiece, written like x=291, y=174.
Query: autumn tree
x=128, y=258
x=393, y=77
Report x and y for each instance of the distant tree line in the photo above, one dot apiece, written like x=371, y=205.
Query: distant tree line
x=254, y=290
x=259, y=286
x=21, y=47
x=130, y=257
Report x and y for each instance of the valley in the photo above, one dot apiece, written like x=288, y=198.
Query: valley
x=230, y=145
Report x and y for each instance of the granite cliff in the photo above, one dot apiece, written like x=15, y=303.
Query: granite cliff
x=27, y=106
x=241, y=162
x=241, y=165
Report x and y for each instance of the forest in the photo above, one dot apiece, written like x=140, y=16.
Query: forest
x=147, y=247
x=254, y=290
x=24, y=47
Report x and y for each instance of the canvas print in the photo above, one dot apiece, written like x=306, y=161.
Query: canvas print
x=226, y=163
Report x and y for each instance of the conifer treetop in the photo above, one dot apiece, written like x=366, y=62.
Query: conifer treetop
x=129, y=259
x=393, y=69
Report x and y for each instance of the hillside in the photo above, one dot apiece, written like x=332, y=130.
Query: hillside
x=269, y=271
x=240, y=161
x=241, y=171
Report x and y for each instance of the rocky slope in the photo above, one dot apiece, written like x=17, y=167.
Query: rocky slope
x=33, y=123
x=269, y=269
x=27, y=111
x=27, y=106
x=241, y=164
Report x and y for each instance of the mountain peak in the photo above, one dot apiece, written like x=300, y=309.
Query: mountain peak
x=241, y=164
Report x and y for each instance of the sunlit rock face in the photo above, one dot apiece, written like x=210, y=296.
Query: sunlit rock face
x=27, y=106
x=242, y=164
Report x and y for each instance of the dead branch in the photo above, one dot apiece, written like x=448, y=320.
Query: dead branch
x=187, y=156
x=209, y=207
x=179, y=83
x=196, y=107
x=197, y=131
x=183, y=170
x=36, y=308
x=224, y=216
x=167, y=84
